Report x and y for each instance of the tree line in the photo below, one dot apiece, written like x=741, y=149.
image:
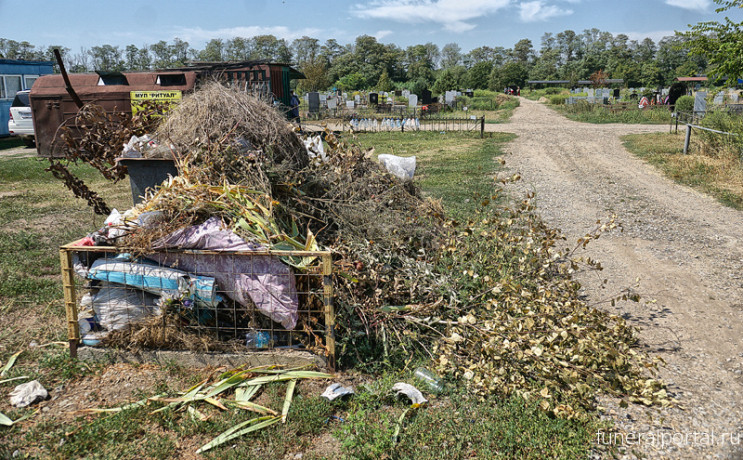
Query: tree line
x=368, y=64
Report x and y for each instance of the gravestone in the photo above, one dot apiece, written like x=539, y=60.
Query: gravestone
x=616, y=93
x=425, y=97
x=373, y=98
x=449, y=96
x=323, y=98
x=357, y=99
x=719, y=98
x=589, y=92
x=313, y=102
x=734, y=97
x=332, y=102
x=406, y=93
x=412, y=100
x=350, y=104
x=700, y=102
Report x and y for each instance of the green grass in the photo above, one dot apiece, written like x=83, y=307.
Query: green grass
x=597, y=113
x=457, y=168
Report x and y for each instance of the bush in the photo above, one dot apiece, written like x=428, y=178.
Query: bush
x=558, y=99
x=553, y=91
x=685, y=104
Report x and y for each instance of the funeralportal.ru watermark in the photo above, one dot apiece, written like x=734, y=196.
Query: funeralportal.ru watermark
x=664, y=439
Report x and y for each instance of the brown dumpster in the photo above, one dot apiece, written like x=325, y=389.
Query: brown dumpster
x=51, y=104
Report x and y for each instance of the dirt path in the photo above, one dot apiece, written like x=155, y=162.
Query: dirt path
x=684, y=248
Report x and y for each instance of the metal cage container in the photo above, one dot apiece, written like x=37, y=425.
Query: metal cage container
x=230, y=301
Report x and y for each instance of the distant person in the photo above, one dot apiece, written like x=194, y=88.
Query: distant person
x=294, y=109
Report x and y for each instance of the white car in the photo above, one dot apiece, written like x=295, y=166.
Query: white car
x=21, y=122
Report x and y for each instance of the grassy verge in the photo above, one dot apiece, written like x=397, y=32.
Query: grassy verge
x=456, y=168
x=596, y=113
x=718, y=174
x=38, y=215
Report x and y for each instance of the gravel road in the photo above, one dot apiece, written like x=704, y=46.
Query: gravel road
x=680, y=250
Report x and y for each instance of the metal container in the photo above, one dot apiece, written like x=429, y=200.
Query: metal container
x=147, y=173
x=52, y=105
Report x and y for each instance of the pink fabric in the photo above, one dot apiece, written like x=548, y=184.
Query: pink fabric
x=264, y=280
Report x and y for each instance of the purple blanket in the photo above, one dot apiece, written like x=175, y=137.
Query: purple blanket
x=264, y=280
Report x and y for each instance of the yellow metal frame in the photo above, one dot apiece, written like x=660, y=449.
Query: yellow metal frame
x=70, y=298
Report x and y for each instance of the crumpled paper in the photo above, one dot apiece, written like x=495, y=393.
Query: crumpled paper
x=28, y=393
x=415, y=396
x=336, y=390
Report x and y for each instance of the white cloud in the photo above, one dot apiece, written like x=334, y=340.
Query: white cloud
x=382, y=33
x=537, y=10
x=199, y=35
x=696, y=5
x=453, y=15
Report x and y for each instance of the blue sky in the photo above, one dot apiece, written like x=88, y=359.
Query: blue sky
x=469, y=23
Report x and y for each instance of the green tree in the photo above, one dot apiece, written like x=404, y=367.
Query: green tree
x=451, y=55
x=721, y=43
x=478, y=75
x=213, y=52
x=316, y=74
x=523, y=52
x=384, y=83
x=107, y=58
x=351, y=82
x=238, y=49
x=305, y=50
x=509, y=74
x=448, y=80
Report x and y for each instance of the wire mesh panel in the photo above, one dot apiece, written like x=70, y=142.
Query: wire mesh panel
x=199, y=300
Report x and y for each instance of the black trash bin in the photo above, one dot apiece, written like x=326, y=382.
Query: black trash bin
x=147, y=173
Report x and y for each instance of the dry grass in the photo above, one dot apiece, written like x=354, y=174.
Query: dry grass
x=712, y=170
x=216, y=117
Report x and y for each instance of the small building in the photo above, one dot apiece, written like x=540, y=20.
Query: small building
x=17, y=75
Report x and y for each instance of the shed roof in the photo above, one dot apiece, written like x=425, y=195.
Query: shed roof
x=691, y=78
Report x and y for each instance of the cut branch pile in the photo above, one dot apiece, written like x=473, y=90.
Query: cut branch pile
x=492, y=301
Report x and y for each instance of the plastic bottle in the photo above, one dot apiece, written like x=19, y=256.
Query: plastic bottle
x=429, y=379
x=257, y=339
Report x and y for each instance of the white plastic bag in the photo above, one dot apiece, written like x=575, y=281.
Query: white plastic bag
x=117, y=306
x=315, y=148
x=401, y=167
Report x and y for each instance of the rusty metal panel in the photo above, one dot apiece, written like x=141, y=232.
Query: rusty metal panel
x=51, y=105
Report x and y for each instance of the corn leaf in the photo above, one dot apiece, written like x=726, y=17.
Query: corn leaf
x=236, y=431
x=141, y=402
x=14, y=378
x=9, y=364
x=215, y=403
x=227, y=383
x=246, y=393
x=398, y=426
x=5, y=421
x=288, y=399
x=290, y=375
x=253, y=407
x=190, y=396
